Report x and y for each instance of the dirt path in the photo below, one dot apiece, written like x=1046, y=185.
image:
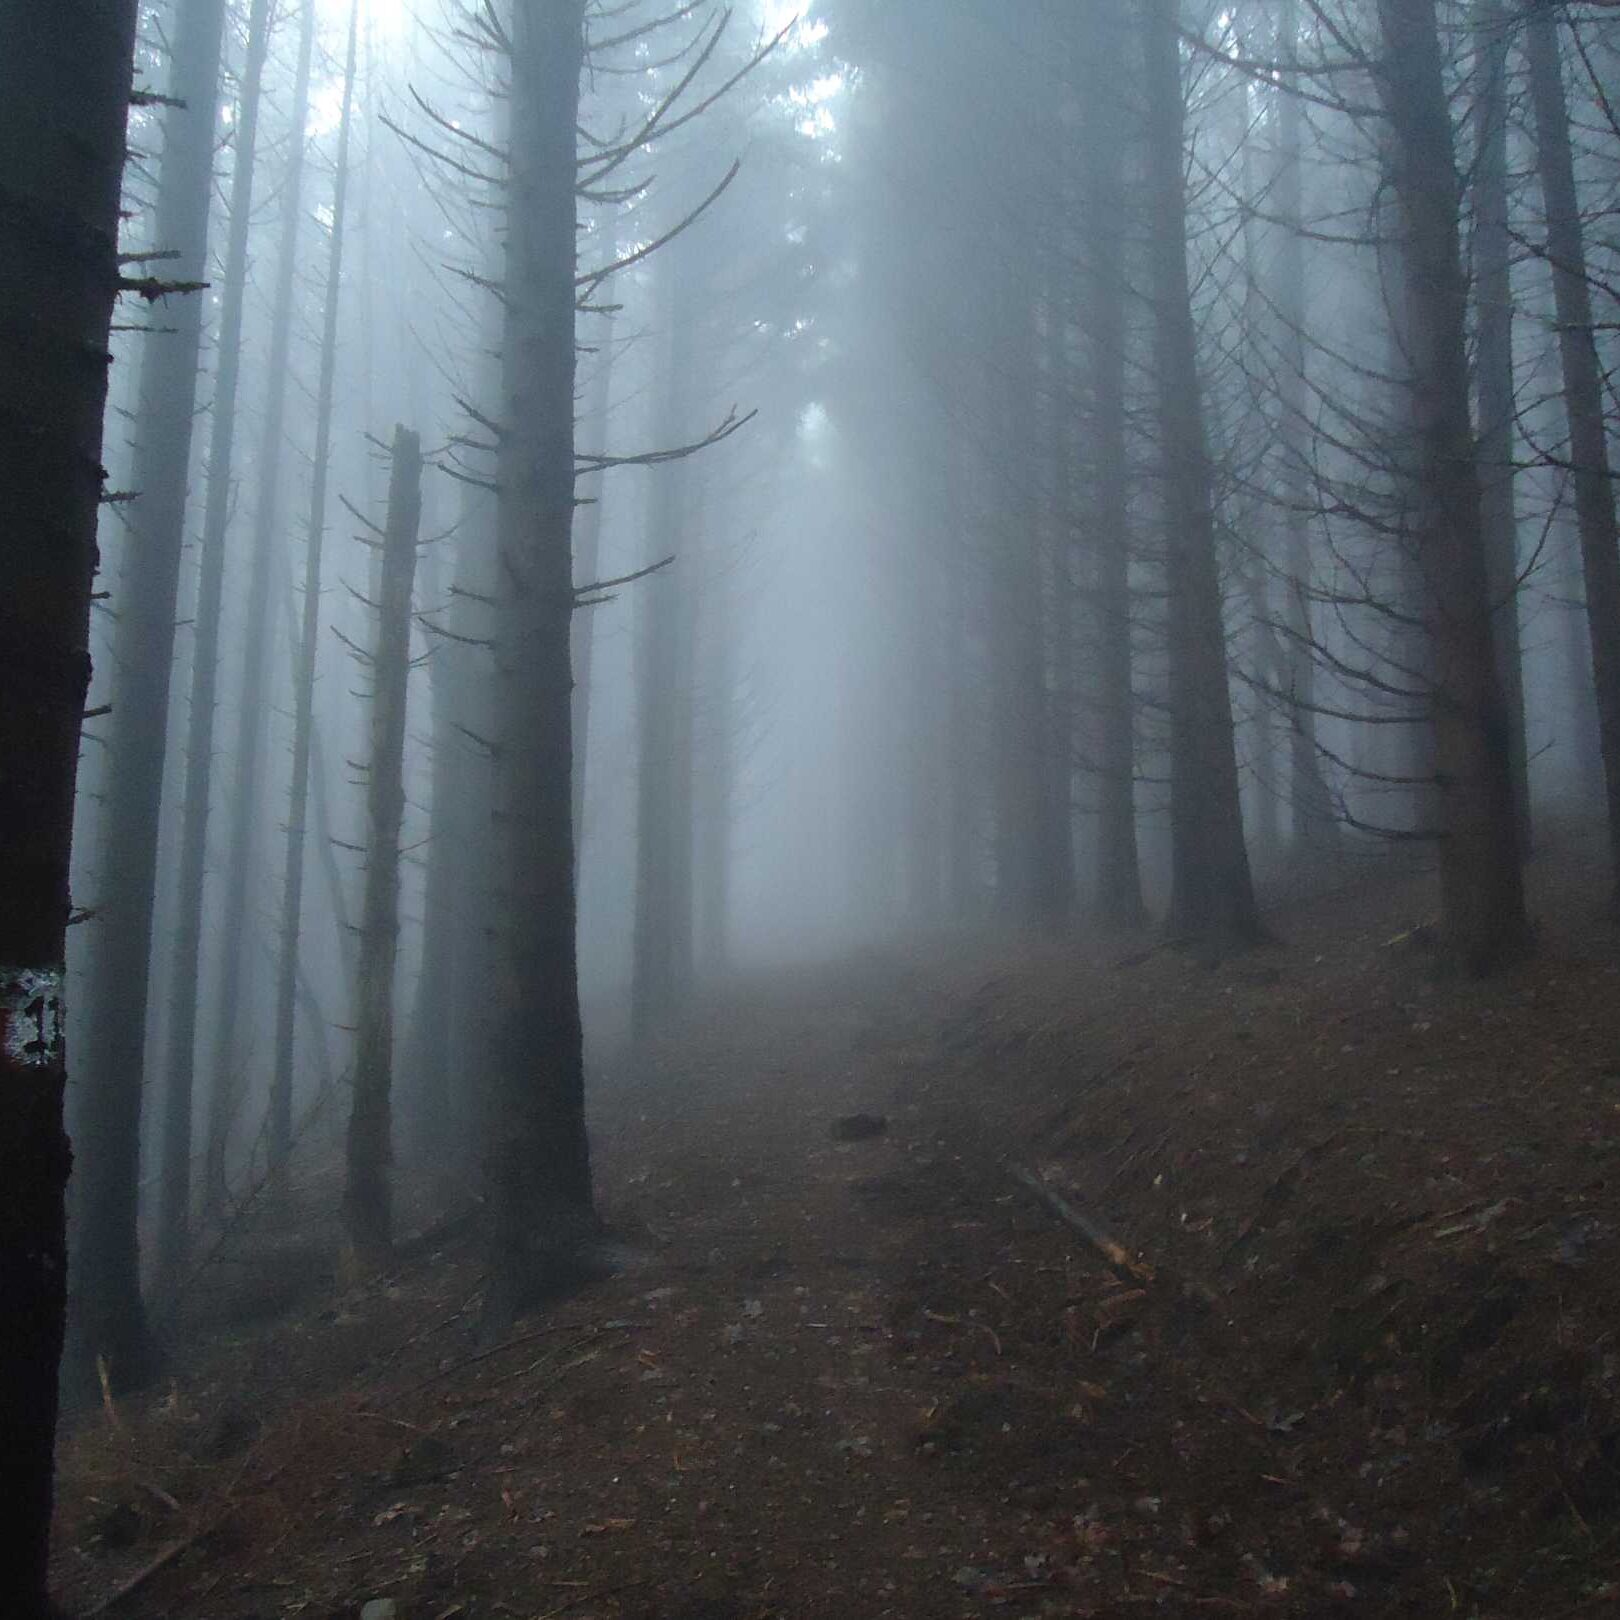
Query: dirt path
x=1374, y=1369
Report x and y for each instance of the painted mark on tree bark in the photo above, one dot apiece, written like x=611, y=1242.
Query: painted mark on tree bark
x=32, y=1017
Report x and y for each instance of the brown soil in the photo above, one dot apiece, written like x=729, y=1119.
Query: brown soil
x=1361, y=1355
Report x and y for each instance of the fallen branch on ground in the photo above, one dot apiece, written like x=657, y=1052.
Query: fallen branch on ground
x=1120, y=1260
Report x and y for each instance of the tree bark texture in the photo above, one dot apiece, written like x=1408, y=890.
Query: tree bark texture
x=64, y=99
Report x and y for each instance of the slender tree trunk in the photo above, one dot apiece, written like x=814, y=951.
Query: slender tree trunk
x=1481, y=883
x=108, y=1320
x=1023, y=886
x=540, y=1170
x=1583, y=402
x=1118, y=870
x=64, y=97
x=1257, y=565
x=1212, y=895
x=429, y=1106
x=368, y=1197
x=281, y=1080
x=1059, y=598
x=587, y=554
x=174, y=1211
x=1493, y=366
x=251, y=727
x=1315, y=821
x=961, y=864
x=661, y=970
x=712, y=679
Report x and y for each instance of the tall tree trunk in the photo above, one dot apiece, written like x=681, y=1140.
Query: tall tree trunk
x=174, y=1210
x=1258, y=563
x=587, y=554
x=661, y=970
x=712, y=678
x=539, y=1156
x=1212, y=895
x=281, y=1080
x=1493, y=303
x=367, y=1196
x=108, y=1320
x=1118, y=881
x=1017, y=653
x=64, y=97
x=961, y=864
x=1315, y=822
x=252, y=717
x=429, y=1114
x=1481, y=883
x=1583, y=403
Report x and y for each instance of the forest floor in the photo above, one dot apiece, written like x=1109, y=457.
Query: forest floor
x=1361, y=1352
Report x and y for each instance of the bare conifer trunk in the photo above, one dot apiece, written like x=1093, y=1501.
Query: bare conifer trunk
x=281, y=1080
x=587, y=551
x=1118, y=869
x=1315, y=822
x=1583, y=402
x=1481, y=884
x=367, y=1197
x=1212, y=895
x=714, y=675
x=251, y=727
x=108, y=1318
x=64, y=98
x=429, y=1118
x=539, y=1157
x=1017, y=643
x=1493, y=365
x=661, y=978
x=174, y=1210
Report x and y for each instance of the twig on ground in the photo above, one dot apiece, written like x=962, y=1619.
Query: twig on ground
x=1120, y=1260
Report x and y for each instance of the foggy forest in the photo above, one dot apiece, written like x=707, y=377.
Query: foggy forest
x=809, y=808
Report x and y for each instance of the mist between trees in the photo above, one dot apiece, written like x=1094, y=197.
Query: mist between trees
x=595, y=496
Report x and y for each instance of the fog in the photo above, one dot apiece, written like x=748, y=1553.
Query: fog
x=979, y=473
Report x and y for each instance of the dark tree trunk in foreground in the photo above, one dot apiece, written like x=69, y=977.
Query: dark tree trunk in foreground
x=64, y=97
x=1583, y=403
x=108, y=1320
x=174, y=1209
x=368, y=1196
x=1212, y=895
x=223, y=1097
x=1481, y=883
x=1493, y=365
x=1118, y=870
x=292, y=906
x=540, y=1173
